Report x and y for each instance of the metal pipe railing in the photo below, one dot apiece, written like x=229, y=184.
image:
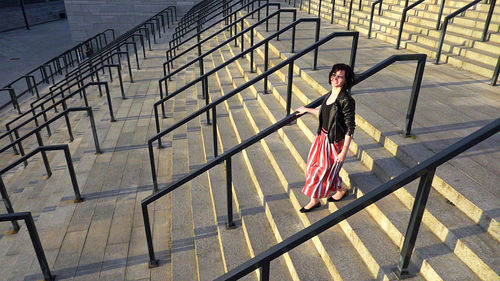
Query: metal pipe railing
x=403, y=18
x=425, y=171
x=62, y=102
x=200, y=57
x=488, y=20
x=173, y=47
x=35, y=240
x=494, y=78
x=43, y=149
x=36, y=131
x=249, y=50
x=445, y=25
x=170, y=58
x=371, y=15
x=226, y=156
x=349, y=16
x=69, y=57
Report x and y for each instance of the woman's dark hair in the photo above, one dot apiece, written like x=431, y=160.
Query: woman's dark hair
x=349, y=75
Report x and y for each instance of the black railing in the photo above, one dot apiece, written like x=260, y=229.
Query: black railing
x=36, y=131
x=349, y=15
x=171, y=58
x=371, y=15
x=200, y=57
x=494, y=78
x=62, y=102
x=403, y=19
x=488, y=20
x=445, y=25
x=440, y=14
x=226, y=156
x=68, y=57
x=35, y=240
x=43, y=149
x=250, y=50
x=182, y=29
x=425, y=171
x=175, y=44
x=332, y=11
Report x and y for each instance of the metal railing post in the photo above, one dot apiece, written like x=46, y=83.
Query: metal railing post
x=72, y=174
x=333, y=11
x=350, y=12
x=289, y=88
x=44, y=154
x=229, y=192
x=440, y=14
x=417, y=212
x=488, y=20
x=319, y=9
x=37, y=245
x=266, y=65
x=417, y=81
x=316, y=50
x=214, y=130
x=8, y=205
x=264, y=271
x=153, y=262
x=494, y=78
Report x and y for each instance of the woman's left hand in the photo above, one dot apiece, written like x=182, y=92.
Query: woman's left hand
x=342, y=156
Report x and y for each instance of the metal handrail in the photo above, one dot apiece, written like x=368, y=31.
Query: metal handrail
x=175, y=43
x=403, y=18
x=170, y=58
x=200, y=57
x=169, y=10
x=494, y=77
x=332, y=11
x=425, y=171
x=32, y=110
x=43, y=149
x=36, y=131
x=35, y=240
x=250, y=50
x=488, y=20
x=349, y=16
x=445, y=25
x=288, y=62
x=101, y=60
x=184, y=28
x=440, y=14
x=67, y=62
x=371, y=15
x=290, y=118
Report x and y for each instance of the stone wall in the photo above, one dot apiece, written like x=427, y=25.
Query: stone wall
x=89, y=17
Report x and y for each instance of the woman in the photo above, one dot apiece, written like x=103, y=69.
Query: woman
x=329, y=149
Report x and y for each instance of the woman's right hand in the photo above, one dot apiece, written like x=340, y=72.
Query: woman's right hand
x=302, y=110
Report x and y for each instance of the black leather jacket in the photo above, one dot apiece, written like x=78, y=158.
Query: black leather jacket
x=341, y=120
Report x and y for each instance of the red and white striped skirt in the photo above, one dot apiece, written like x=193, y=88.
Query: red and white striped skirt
x=322, y=171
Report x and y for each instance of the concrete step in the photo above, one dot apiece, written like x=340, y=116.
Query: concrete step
x=465, y=257
x=463, y=208
x=283, y=223
x=279, y=159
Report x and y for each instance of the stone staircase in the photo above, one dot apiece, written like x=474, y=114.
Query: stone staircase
x=103, y=237
x=462, y=46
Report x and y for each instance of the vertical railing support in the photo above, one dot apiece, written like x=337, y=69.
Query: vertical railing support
x=289, y=88
x=488, y=20
x=494, y=78
x=417, y=81
x=417, y=212
x=229, y=192
x=214, y=130
x=8, y=205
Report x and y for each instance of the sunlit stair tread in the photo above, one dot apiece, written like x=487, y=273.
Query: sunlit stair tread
x=278, y=160
x=304, y=257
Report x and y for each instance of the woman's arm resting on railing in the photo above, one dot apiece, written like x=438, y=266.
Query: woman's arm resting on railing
x=302, y=110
